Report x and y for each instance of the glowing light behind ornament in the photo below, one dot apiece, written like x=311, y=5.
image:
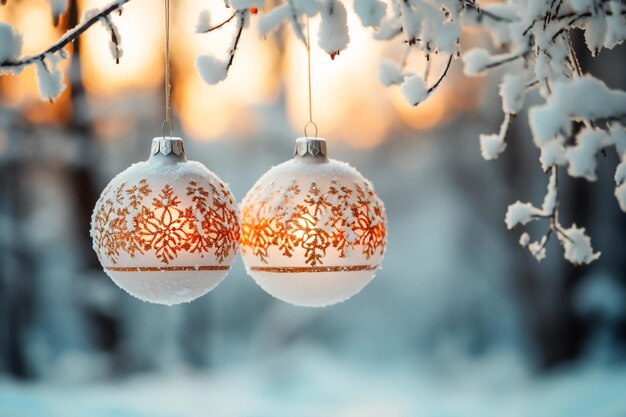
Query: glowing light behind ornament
x=313, y=231
x=166, y=230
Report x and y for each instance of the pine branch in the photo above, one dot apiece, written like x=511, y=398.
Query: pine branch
x=69, y=37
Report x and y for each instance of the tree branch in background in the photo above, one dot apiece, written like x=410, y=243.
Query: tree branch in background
x=66, y=39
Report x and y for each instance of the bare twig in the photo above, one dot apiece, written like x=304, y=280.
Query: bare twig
x=69, y=37
x=241, y=20
x=443, y=75
x=211, y=29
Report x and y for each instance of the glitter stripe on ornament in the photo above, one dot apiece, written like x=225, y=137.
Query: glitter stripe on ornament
x=302, y=269
x=167, y=268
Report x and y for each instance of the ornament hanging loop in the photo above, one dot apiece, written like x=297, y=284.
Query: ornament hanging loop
x=306, y=130
x=164, y=126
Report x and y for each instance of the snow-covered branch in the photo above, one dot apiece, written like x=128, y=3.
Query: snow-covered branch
x=49, y=76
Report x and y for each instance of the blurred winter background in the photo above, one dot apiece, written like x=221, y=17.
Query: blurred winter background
x=461, y=321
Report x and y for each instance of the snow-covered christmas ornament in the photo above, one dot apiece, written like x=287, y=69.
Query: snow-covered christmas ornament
x=313, y=229
x=166, y=230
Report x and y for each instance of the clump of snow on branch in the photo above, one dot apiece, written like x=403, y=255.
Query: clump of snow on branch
x=10, y=43
x=333, y=34
x=211, y=69
x=50, y=78
x=414, y=90
x=371, y=12
x=203, y=24
x=577, y=246
x=389, y=73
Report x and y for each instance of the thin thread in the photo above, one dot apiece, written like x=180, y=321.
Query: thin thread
x=168, y=83
x=308, y=57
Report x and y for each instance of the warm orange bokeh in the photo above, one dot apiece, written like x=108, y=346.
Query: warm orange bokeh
x=348, y=101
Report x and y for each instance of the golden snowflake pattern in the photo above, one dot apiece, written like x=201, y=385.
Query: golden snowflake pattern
x=127, y=221
x=339, y=217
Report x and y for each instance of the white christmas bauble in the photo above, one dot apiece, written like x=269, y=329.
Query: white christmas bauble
x=166, y=230
x=313, y=229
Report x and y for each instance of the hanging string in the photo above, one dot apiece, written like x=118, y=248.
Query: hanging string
x=168, y=85
x=310, y=123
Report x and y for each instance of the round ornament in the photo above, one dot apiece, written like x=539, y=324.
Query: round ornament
x=166, y=230
x=313, y=229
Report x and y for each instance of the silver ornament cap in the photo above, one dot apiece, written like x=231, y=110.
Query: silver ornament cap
x=310, y=148
x=168, y=148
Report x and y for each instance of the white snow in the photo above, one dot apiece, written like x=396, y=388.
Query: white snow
x=50, y=78
x=10, y=43
x=306, y=7
x=524, y=239
x=333, y=34
x=371, y=12
x=550, y=199
x=583, y=97
x=389, y=73
x=538, y=249
x=577, y=246
x=620, y=180
x=411, y=21
x=546, y=122
x=618, y=137
x=582, y=157
x=616, y=30
x=520, y=213
x=211, y=69
x=477, y=60
x=552, y=153
x=203, y=23
x=512, y=91
x=581, y=5
x=595, y=34
x=414, y=90
x=491, y=146
x=270, y=21
x=246, y=4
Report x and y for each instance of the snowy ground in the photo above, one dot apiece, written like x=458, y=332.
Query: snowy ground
x=306, y=382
